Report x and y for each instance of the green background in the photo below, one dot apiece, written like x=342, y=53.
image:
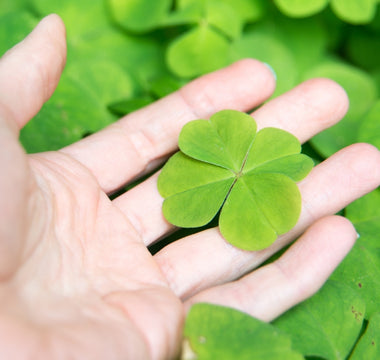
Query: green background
x=154, y=47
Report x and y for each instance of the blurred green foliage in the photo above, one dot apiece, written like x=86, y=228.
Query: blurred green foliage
x=124, y=54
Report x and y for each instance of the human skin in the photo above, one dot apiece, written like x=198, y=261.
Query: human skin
x=76, y=278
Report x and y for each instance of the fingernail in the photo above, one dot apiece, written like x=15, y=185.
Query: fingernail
x=271, y=69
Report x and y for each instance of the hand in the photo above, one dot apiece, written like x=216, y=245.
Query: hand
x=76, y=278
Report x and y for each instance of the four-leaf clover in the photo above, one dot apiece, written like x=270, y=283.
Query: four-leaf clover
x=224, y=164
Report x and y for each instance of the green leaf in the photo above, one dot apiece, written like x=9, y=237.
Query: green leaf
x=14, y=27
x=216, y=332
x=9, y=6
x=139, y=15
x=98, y=77
x=301, y=8
x=72, y=112
x=361, y=268
x=164, y=85
x=248, y=10
x=363, y=48
x=260, y=207
x=72, y=12
x=267, y=48
x=365, y=211
x=206, y=47
x=187, y=13
x=368, y=347
x=358, y=84
x=79, y=106
x=197, y=52
x=297, y=36
x=295, y=167
x=375, y=24
x=365, y=214
x=326, y=325
x=183, y=4
x=140, y=56
x=277, y=197
x=224, y=163
x=223, y=17
x=376, y=78
x=87, y=34
x=362, y=93
x=124, y=107
x=201, y=181
x=215, y=142
x=271, y=144
x=369, y=130
x=354, y=11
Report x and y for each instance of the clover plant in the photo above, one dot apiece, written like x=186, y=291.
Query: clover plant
x=224, y=164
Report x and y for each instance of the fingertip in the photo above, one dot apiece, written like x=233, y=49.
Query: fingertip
x=252, y=69
x=56, y=19
x=331, y=236
x=315, y=255
x=305, y=110
x=53, y=27
x=343, y=226
x=30, y=71
x=337, y=90
x=364, y=164
x=333, y=95
x=242, y=86
x=52, y=20
x=271, y=70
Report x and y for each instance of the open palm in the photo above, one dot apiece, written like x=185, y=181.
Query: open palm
x=76, y=277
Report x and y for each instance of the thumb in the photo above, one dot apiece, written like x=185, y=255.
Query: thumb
x=30, y=71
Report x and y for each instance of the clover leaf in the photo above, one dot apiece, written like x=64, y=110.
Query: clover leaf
x=299, y=8
x=355, y=12
x=326, y=325
x=367, y=346
x=218, y=332
x=223, y=164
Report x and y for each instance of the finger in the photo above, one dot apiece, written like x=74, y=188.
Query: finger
x=30, y=71
x=142, y=206
x=305, y=111
x=299, y=273
x=136, y=143
x=329, y=187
